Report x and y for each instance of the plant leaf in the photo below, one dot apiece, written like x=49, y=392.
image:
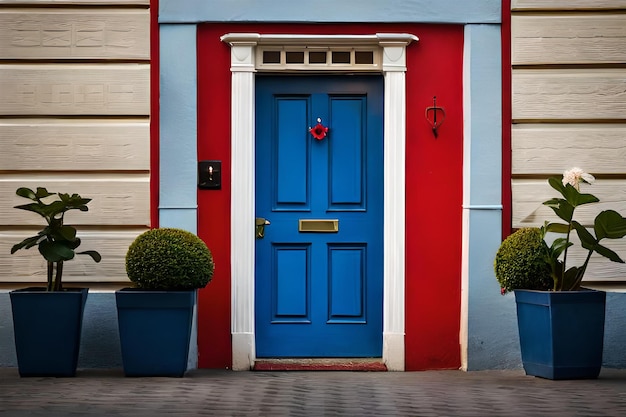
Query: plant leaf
x=608, y=253
x=569, y=279
x=94, y=255
x=26, y=193
x=561, y=208
x=43, y=193
x=557, y=228
x=55, y=251
x=67, y=233
x=27, y=243
x=610, y=224
x=559, y=245
x=34, y=207
x=586, y=239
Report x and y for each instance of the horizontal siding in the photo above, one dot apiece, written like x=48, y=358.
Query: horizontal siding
x=529, y=194
x=72, y=34
x=75, y=118
x=28, y=266
x=569, y=109
x=117, y=199
x=75, y=89
x=553, y=148
x=569, y=94
x=568, y=39
x=567, y=5
x=64, y=145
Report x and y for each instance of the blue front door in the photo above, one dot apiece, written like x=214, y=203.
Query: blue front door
x=319, y=275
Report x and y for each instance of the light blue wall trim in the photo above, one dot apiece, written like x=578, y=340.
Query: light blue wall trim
x=491, y=342
x=178, y=128
x=483, y=103
x=327, y=11
x=181, y=218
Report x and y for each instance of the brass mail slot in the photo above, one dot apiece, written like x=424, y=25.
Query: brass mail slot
x=319, y=225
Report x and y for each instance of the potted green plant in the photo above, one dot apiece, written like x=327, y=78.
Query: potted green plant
x=561, y=325
x=47, y=321
x=155, y=317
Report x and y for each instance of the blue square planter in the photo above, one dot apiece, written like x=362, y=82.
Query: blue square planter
x=47, y=328
x=561, y=333
x=155, y=329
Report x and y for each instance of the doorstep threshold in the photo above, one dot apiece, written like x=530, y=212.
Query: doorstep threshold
x=320, y=364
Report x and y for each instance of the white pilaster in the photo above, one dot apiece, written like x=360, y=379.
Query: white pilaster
x=242, y=203
x=394, y=68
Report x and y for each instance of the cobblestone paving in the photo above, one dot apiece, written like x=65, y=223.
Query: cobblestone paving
x=227, y=393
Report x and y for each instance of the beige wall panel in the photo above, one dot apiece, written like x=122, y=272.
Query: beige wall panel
x=75, y=89
x=67, y=33
x=552, y=148
x=568, y=39
x=28, y=265
x=569, y=94
x=62, y=144
x=528, y=196
x=566, y=5
x=117, y=199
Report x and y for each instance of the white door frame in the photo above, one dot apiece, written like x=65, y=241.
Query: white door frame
x=243, y=68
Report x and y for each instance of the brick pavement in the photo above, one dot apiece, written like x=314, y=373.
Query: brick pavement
x=226, y=393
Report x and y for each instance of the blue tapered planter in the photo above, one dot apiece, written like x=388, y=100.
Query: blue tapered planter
x=155, y=329
x=561, y=333
x=47, y=328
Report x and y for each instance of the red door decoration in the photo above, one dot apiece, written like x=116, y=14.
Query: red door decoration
x=319, y=131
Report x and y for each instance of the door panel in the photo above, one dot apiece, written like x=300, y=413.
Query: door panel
x=319, y=293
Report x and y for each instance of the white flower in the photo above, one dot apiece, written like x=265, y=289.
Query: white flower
x=574, y=176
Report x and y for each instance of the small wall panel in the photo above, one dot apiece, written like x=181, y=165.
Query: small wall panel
x=566, y=5
x=63, y=145
x=569, y=94
x=121, y=199
x=553, y=148
x=29, y=266
x=71, y=34
x=568, y=39
x=75, y=89
x=529, y=195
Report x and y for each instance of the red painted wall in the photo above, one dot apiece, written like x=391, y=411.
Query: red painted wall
x=434, y=188
x=434, y=200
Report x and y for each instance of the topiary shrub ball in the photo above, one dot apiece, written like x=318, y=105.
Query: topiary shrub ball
x=169, y=259
x=520, y=262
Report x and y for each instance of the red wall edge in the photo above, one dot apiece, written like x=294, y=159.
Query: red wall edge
x=507, y=194
x=434, y=188
x=154, y=113
x=214, y=343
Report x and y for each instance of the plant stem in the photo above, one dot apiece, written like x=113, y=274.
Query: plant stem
x=564, y=268
x=57, y=278
x=50, y=270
